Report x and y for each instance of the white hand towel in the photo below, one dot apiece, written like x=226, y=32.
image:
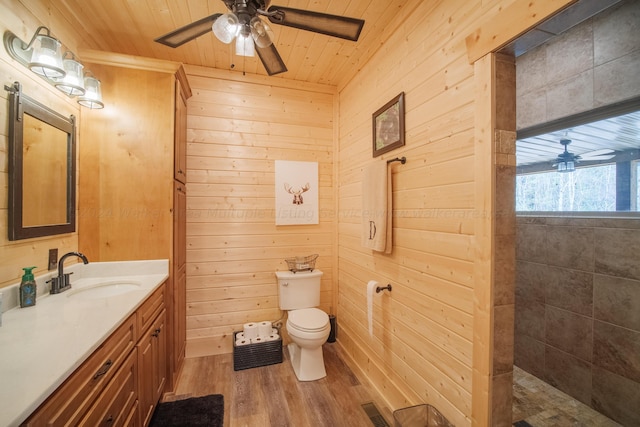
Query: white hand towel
x=377, y=208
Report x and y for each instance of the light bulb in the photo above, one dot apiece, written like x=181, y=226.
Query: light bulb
x=92, y=97
x=46, y=59
x=226, y=27
x=261, y=32
x=73, y=82
x=244, y=45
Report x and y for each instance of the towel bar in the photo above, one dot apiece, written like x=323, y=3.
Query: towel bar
x=383, y=288
x=402, y=160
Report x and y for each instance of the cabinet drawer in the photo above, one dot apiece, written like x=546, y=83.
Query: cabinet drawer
x=70, y=401
x=119, y=402
x=150, y=309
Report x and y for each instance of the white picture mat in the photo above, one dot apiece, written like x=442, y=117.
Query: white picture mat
x=296, y=192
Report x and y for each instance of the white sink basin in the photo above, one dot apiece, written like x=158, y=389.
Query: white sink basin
x=104, y=289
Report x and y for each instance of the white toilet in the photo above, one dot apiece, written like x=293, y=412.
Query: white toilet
x=308, y=326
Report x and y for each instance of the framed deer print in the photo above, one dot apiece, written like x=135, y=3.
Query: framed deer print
x=388, y=126
x=296, y=192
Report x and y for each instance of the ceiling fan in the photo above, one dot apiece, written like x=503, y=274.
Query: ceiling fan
x=566, y=161
x=243, y=23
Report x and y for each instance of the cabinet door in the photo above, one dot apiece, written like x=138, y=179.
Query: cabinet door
x=180, y=321
x=178, y=316
x=152, y=361
x=180, y=148
x=160, y=357
x=179, y=226
x=117, y=405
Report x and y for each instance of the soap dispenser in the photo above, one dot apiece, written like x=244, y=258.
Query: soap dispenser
x=28, y=288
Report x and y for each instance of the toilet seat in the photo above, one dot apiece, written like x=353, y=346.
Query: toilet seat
x=308, y=319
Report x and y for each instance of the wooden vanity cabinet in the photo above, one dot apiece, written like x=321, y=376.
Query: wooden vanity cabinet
x=70, y=402
x=121, y=382
x=133, y=182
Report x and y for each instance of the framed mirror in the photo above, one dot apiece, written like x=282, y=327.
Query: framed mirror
x=42, y=169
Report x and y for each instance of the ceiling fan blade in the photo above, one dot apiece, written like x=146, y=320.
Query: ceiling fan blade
x=601, y=152
x=271, y=60
x=323, y=23
x=189, y=32
x=595, y=158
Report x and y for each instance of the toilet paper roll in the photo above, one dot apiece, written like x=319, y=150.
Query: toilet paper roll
x=240, y=336
x=264, y=329
x=272, y=337
x=242, y=342
x=250, y=331
x=371, y=288
x=257, y=340
x=274, y=331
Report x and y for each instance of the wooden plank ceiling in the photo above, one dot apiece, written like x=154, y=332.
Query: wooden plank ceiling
x=130, y=26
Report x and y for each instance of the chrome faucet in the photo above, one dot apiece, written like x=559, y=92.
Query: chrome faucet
x=62, y=282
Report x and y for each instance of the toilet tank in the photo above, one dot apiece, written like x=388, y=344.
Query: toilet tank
x=299, y=290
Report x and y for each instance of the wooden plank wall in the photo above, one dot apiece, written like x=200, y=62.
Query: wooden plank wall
x=22, y=22
x=127, y=167
x=237, y=127
x=422, y=348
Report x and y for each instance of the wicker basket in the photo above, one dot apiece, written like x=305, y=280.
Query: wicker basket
x=419, y=416
x=255, y=355
x=302, y=263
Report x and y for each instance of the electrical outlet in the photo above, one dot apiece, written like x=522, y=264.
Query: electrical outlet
x=53, y=258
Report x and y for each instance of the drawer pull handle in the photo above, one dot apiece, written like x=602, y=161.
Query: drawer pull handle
x=103, y=370
x=156, y=333
x=109, y=420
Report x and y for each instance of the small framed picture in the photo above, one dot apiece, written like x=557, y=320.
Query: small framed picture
x=388, y=126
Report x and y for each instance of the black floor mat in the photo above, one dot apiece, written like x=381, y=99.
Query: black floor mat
x=205, y=411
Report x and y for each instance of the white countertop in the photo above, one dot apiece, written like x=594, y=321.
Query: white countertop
x=41, y=346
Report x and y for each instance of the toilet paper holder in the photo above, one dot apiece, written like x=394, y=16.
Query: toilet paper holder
x=383, y=288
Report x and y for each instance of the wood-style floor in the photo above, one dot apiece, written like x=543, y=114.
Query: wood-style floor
x=272, y=395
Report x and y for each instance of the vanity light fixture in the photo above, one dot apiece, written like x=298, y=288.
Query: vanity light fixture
x=42, y=56
x=92, y=98
x=46, y=59
x=73, y=82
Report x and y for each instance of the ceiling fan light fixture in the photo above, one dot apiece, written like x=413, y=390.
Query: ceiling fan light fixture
x=226, y=27
x=253, y=36
x=261, y=32
x=566, y=160
x=568, y=166
x=245, y=45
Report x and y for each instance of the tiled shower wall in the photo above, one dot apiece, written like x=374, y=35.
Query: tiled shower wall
x=577, y=321
x=595, y=63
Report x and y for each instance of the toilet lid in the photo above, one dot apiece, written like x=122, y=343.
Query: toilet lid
x=308, y=319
